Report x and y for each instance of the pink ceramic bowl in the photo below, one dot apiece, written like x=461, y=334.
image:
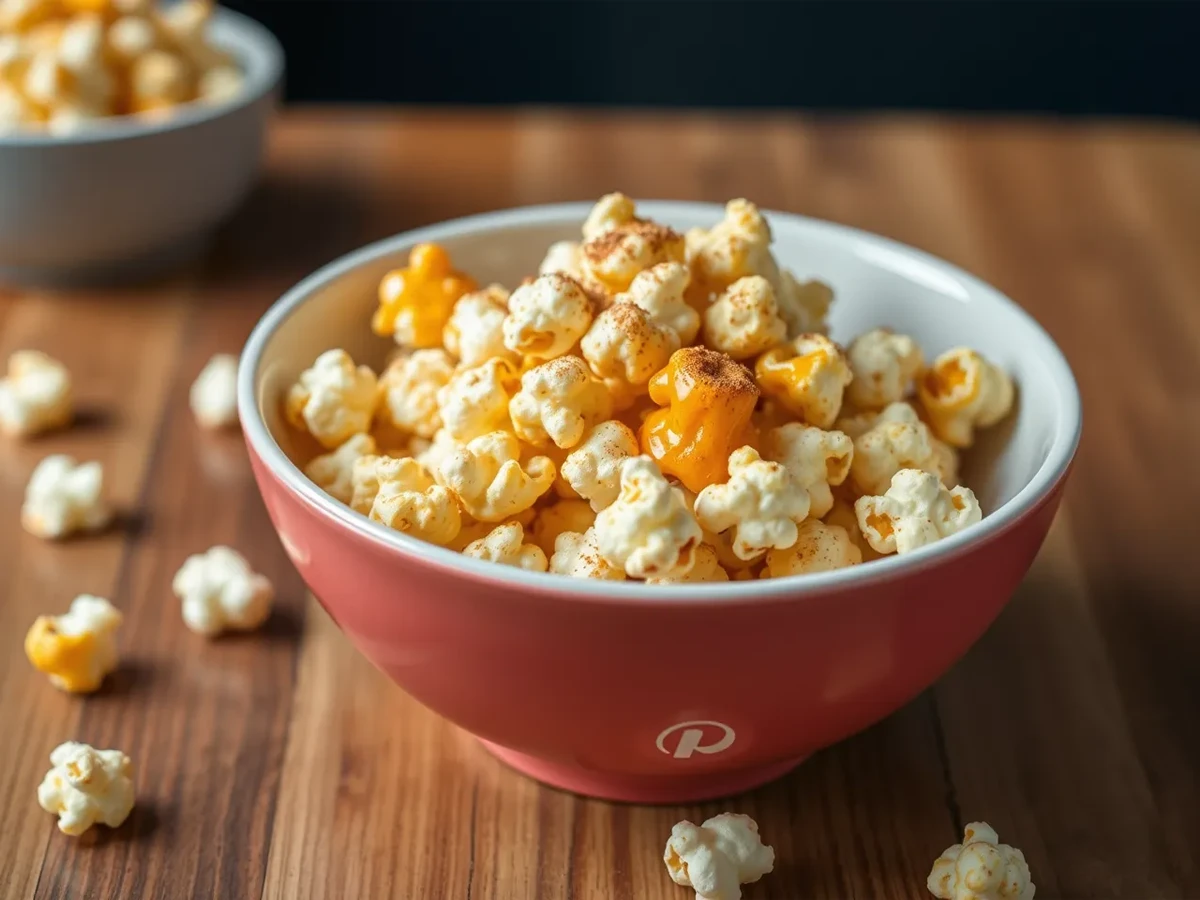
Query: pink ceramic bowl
x=667, y=693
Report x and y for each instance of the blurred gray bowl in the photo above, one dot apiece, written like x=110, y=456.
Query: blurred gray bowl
x=129, y=197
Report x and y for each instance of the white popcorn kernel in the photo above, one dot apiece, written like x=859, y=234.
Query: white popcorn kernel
x=578, y=556
x=557, y=402
x=718, y=857
x=334, y=399
x=490, y=481
x=706, y=568
x=819, y=548
x=648, y=530
x=808, y=376
x=593, y=469
x=962, y=391
x=843, y=516
x=432, y=456
x=86, y=786
x=744, y=321
x=213, y=396
x=625, y=345
x=186, y=20
x=659, y=290
x=410, y=388
x=333, y=472
x=81, y=44
x=546, y=317
x=475, y=330
x=220, y=84
x=614, y=257
x=64, y=497
x=35, y=396
x=475, y=401
x=130, y=37
x=761, y=501
x=220, y=592
x=506, y=545
x=885, y=365
x=897, y=439
x=368, y=472
x=158, y=79
x=407, y=500
x=981, y=868
x=78, y=649
x=47, y=81
x=563, y=257
x=611, y=211
x=916, y=510
x=563, y=516
x=815, y=459
x=803, y=304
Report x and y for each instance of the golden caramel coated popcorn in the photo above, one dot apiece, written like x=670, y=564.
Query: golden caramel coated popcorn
x=961, y=392
x=415, y=302
x=558, y=401
x=77, y=649
x=808, y=376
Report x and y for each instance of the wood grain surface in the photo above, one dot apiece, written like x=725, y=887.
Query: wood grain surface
x=282, y=765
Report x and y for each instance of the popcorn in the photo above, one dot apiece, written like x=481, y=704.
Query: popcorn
x=659, y=290
x=843, y=516
x=213, y=396
x=808, y=376
x=819, y=548
x=945, y=462
x=475, y=330
x=563, y=516
x=612, y=258
x=36, y=395
x=490, y=482
x=626, y=346
x=158, y=80
x=416, y=302
x=401, y=494
x=578, y=556
x=803, y=304
x=718, y=857
x=505, y=545
x=981, y=868
x=410, y=388
x=334, y=472
x=814, y=458
x=744, y=321
x=64, y=497
x=439, y=449
x=557, y=402
x=546, y=317
x=897, y=439
x=86, y=786
x=611, y=211
x=916, y=510
x=648, y=530
x=706, y=568
x=130, y=37
x=884, y=366
x=760, y=501
x=962, y=391
x=593, y=469
x=333, y=400
x=220, y=84
x=221, y=592
x=565, y=258
x=475, y=401
x=76, y=649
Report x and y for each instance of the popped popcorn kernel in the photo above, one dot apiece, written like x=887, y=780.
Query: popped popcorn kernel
x=885, y=365
x=77, y=649
x=334, y=399
x=808, y=376
x=625, y=345
x=558, y=401
x=744, y=320
x=410, y=388
x=416, y=302
x=614, y=257
x=916, y=510
x=981, y=868
x=565, y=515
x=819, y=547
x=505, y=544
x=715, y=859
x=817, y=460
x=213, y=395
x=660, y=291
x=843, y=516
x=475, y=330
x=961, y=392
x=593, y=468
x=546, y=317
x=475, y=401
x=435, y=451
x=489, y=480
x=897, y=439
x=803, y=304
x=35, y=396
x=401, y=494
x=86, y=786
x=333, y=472
x=220, y=592
x=737, y=246
x=706, y=568
x=64, y=497
x=565, y=258
x=579, y=556
x=611, y=211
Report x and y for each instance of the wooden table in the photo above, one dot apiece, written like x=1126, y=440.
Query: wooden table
x=283, y=765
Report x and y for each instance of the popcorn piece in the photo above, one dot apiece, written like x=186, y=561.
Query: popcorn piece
x=718, y=857
x=896, y=440
x=744, y=321
x=220, y=84
x=593, y=469
x=613, y=257
x=130, y=37
x=808, y=376
x=490, y=482
x=558, y=401
x=660, y=290
x=884, y=366
x=706, y=568
x=76, y=649
x=439, y=449
x=611, y=211
x=761, y=501
x=158, y=80
x=403, y=496
x=962, y=391
x=803, y=304
x=36, y=395
x=334, y=472
x=916, y=510
x=546, y=317
x=475, y=330
x=565, y=258
x=981, y=868
x=475, y=401
x=814, y=458
x=565, y=515
x=416, y=302
x=625, y=345
x=648, y=530
x=410, y=388
x=708, y=400
x=333, y=400
x=843, y=516
x=213, y=396
x=221, y=592
x=578, y=555
x=86, y=786
x=505, y=545
x=819, y=548
x=64, y=497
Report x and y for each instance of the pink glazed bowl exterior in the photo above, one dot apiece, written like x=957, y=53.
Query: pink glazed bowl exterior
x=660, y=694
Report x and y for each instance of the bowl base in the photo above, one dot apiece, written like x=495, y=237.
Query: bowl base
x=650, y=789
x=158, y=261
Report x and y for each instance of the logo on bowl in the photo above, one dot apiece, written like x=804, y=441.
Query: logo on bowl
x=698, y=736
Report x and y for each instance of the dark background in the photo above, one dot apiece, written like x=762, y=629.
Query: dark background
x=1122, y=57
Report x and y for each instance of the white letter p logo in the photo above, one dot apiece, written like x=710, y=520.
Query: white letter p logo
x=692, y=738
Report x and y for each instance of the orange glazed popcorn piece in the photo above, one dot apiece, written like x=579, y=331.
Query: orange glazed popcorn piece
x=707, y=401
x=415, y=302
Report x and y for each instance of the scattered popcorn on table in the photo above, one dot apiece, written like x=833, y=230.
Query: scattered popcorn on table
x=818, y=548
x=565, y=515
x=715, y=859
x=885, y=366
x=593, y=468
x=410, y=388
x=475, y=401
x=897, y=439
x=64, y=497
x=962, y=391
x=490, y=481
x=916, y=510
x=213, y=396
x=416, y=302
x=744, y=320
x=505, y=544
x=334, y=399
x=546, y=317
x=87, y=786
x=78, y=648
x=475, y=330
x=578, y=556
x=558, y=401
x=815, y=459
x=35, y=396
x=981, y=868
x=220, y=592
x=334, y=472
x=648, y=530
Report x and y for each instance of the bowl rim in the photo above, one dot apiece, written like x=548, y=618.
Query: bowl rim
x=1026, y=501
x=262, y=59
